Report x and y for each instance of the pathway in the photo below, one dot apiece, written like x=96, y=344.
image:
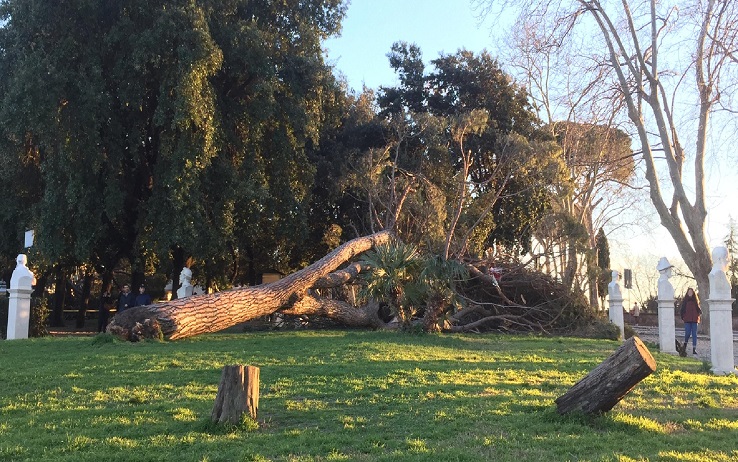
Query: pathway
x=651, y=334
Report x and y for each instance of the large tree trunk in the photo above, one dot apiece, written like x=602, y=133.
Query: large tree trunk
x=57, y=311
x=83, y=300
x=205, y=313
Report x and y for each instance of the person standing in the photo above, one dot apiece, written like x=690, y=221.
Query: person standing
x=106, y=301
x=690, y=313
x=126, y=299
x=143, y=298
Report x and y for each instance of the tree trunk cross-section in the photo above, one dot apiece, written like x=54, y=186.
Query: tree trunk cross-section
x=214, y=312
x=609, y=382
x=238, y=392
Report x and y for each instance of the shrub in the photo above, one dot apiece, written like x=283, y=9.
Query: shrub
x=599, y=328
x=4, y=317
x=39, y=317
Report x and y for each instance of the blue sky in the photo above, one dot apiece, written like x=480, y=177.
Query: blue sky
x=372, y=26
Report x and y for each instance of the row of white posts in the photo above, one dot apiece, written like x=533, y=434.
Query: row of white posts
x=720, y=303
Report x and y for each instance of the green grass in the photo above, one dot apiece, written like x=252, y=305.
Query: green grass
x=366, y=396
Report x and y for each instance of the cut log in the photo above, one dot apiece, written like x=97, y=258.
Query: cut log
x=238, y=392
x=205, y=313
x=609, y=382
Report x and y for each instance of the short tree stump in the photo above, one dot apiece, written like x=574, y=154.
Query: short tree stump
x=238, y=392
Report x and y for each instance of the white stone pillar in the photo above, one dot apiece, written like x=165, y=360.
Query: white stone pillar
x=616, y=304
x=721, y=321
x=667, y=326
x=19, y=307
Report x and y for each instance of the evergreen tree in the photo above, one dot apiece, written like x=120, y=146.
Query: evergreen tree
x=603, y=264
x=153, y=130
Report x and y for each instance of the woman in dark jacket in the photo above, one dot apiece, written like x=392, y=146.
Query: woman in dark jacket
x=691, y=312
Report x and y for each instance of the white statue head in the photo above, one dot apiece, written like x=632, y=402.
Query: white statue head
x=21, y=259
x=615, y=277
x=720, y=259
x=185, y=276
x=665, y=268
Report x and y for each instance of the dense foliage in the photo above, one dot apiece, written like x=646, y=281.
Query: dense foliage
x=148, y=131
x=466, y=135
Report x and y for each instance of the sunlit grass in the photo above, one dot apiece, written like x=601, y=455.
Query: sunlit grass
x=348, y=395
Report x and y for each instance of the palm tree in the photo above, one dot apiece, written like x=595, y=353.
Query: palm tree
x=437, y=285
x=393, y=267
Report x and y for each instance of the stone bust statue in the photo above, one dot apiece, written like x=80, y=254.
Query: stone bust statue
x=22, y=277
x=185, y=281
x=665, y=289
x=719, y=285
x=613, y=288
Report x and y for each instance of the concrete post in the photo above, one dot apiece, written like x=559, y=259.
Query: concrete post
x=721, y=321
x=667, y=326
x=616, y=304
x=19, y=307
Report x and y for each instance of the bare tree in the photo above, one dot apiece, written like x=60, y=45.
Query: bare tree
x=655, y=87
x=566, y=88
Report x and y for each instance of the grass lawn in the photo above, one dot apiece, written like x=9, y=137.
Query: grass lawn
x=352, y=395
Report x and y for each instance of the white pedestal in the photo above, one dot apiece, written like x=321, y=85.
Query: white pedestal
x=19, y=313
x=666, y=326
x=721, y=337
x=616, y=315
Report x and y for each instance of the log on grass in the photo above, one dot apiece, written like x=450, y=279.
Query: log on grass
x=238, y=392
x=205, y=313
x=609, y=382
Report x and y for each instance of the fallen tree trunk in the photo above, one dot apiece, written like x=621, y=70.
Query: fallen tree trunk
x=339, y=278
x=609, y=382
x=205, y=313
x=339, y=311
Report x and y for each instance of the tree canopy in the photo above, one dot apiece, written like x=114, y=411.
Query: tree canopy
x=465, y=132
x=137, y=128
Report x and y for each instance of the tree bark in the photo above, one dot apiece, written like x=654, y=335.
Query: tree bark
x=57, y=311
x=238, y=392
x=609, y=382
x=83, y=300
x=205, y=313
x=339, y=311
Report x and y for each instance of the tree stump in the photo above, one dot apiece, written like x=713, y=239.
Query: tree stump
x=238, y=392
x=609, y=382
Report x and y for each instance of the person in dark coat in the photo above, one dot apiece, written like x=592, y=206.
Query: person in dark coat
x=143, y=298
x=126, y=299
x=691, y=312
x=106, y=301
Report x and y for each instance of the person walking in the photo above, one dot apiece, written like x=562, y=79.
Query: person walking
x=690, y=313
x=125, y=299
x=636, y=312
